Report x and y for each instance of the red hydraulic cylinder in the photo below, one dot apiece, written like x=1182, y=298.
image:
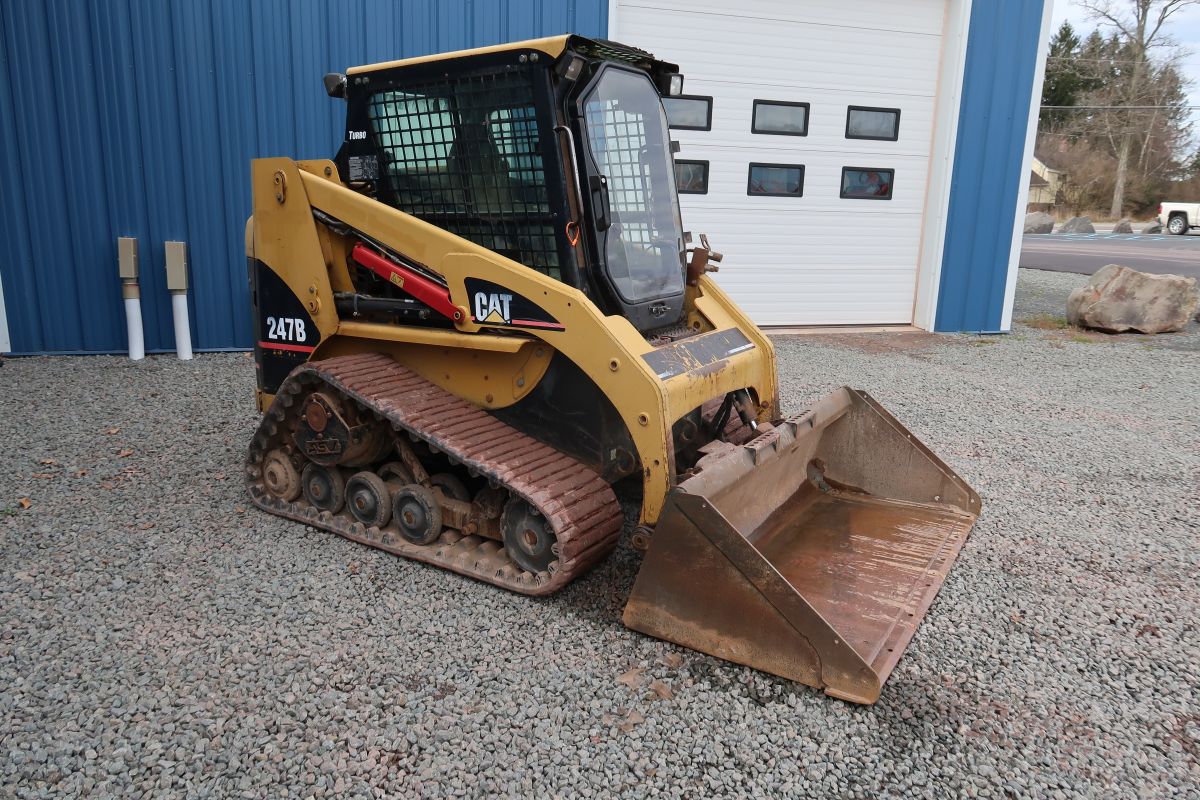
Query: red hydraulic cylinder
x=409, y=281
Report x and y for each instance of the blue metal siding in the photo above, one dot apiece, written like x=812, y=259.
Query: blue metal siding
x=140, y=118
x=988, y=163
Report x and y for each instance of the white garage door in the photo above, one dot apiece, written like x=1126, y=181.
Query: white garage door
x=838, y=241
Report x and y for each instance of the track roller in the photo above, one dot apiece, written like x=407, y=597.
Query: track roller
x=417, y=514
x=279, y=475
x=528, y=539
x=324, y=487
x=368, y=499
x=396, y=471
x=451, y=486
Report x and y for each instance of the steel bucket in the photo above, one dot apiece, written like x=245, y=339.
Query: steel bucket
x=813, y=552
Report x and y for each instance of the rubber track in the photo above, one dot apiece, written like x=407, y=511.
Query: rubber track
x=580, y=506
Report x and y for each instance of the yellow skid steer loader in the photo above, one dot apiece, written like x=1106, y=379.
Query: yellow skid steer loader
x=484, y=315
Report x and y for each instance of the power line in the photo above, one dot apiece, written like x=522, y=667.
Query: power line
x=1168, y=62
x=1125, y=108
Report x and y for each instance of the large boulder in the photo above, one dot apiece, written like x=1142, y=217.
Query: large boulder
x=1118, y=299
x=1039, y=222
x=1153, y=227
x=1078, y=225
x=1123, y=225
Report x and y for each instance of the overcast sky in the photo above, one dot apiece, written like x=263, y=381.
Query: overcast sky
x=1184, y=28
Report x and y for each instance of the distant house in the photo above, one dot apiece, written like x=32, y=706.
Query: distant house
x=1045, y=185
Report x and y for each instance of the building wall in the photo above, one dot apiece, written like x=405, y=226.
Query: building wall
x=140, y=117
x=817, y=256
x=991, y=164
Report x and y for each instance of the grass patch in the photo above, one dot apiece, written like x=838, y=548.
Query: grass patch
x=1047, y=322
x=1083, y=338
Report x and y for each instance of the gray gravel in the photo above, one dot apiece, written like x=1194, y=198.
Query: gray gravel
x=157, y=638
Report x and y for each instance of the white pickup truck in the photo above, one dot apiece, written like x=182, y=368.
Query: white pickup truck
x=1179, y=218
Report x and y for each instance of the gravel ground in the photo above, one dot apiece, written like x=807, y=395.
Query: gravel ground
x=158, y=638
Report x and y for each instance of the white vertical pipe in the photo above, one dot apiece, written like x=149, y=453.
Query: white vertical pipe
x=127, y=268
x=183, y=331
x=177, y=286
x=133, y=326
x=5, y=343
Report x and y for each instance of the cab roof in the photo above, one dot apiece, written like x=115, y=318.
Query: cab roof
x=552, y=46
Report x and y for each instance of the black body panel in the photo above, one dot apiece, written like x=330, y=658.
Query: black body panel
x=285, y=333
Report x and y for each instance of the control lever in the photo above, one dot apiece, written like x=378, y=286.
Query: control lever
x=704, y=259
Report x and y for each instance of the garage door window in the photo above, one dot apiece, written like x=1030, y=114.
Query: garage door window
x=776, y=180
x=689, y=112
x=785, y=119
x=691, y=177
x=882, y=124
x=867, y=183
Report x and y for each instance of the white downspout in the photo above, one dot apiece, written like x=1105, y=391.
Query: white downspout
x=177, y=286
x=127, y=266
x=5, y=343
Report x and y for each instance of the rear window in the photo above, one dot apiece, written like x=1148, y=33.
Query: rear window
x=465, y=154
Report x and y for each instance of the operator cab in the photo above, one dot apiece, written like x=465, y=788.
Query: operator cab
x=554, y=153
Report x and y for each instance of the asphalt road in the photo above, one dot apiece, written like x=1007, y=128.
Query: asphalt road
x=1086, y=253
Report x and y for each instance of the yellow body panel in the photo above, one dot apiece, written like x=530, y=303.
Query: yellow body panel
x=484, y=367
x=492, y=378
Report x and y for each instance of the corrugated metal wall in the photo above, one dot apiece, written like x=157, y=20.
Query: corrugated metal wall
x=988, y=163
x=140, y=117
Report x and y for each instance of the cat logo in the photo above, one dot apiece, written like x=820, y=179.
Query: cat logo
x=493, y=304
x=493, y=307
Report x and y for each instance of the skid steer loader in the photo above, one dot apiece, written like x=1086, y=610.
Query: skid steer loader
x=484, y=314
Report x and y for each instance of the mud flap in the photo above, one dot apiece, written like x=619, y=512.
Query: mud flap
x=811, y=553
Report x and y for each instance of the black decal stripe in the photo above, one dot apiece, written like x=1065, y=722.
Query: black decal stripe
x=697, y=352
x=521, y=310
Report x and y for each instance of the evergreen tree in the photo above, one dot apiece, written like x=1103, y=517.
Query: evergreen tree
x=1064, y=82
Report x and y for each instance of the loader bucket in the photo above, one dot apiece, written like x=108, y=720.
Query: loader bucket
x=811, y=553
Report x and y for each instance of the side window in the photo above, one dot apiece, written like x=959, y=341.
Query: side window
x=867, y=183
x=786, y=119
x=691, y=177
x=776, y=180
x=688, y=112
x=872, y=123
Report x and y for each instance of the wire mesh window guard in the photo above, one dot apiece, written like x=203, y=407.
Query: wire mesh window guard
x=464, y=153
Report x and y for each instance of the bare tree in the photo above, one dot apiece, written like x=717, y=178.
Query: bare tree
x=1140, y=26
